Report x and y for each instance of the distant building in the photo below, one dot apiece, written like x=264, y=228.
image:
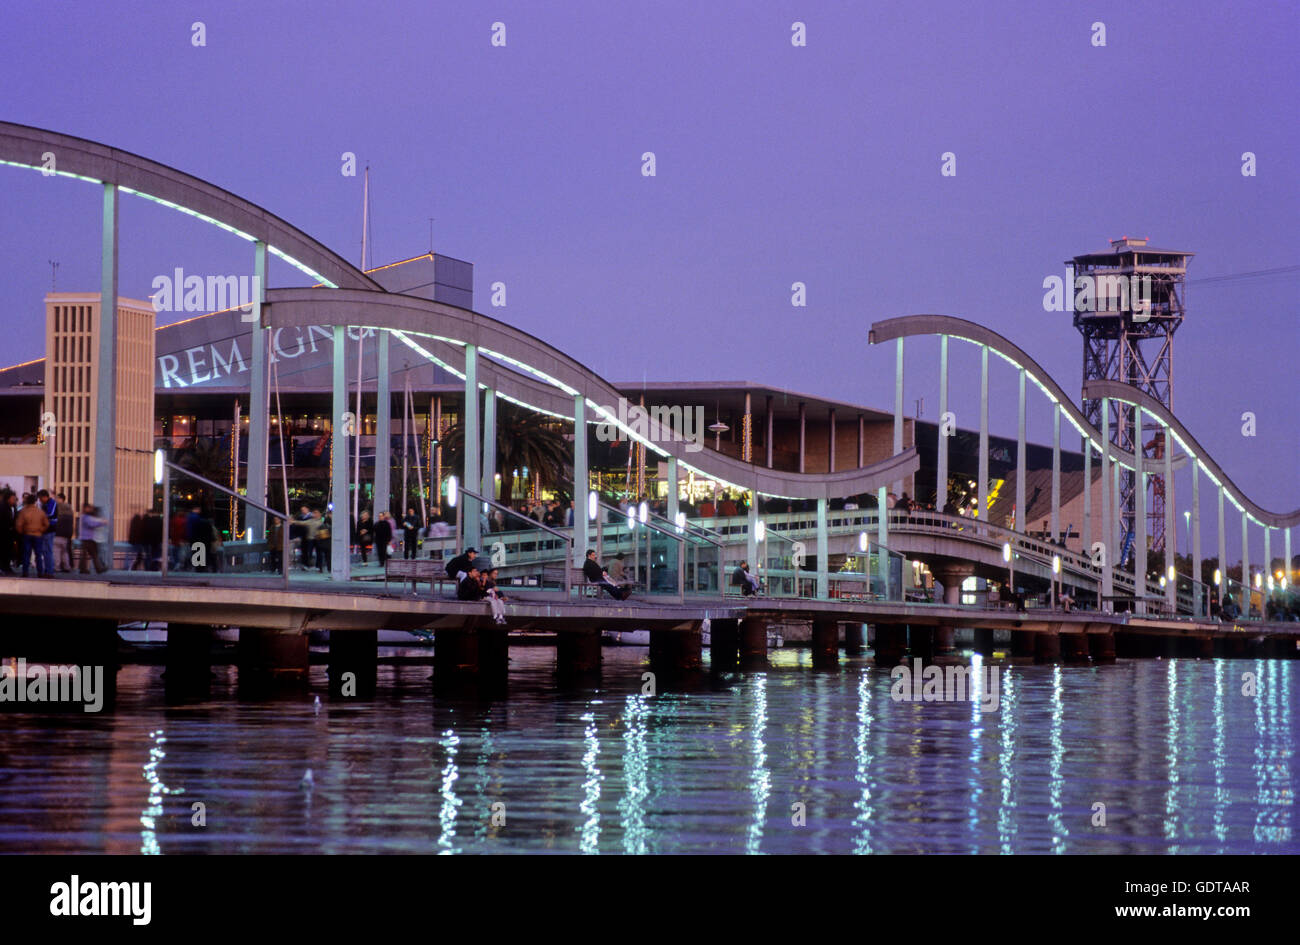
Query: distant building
x=72, y=324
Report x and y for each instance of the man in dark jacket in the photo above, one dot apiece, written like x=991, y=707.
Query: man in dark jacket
x=410, y=534
x=470, y=586
x=8, y=509
x=383, y=536
x=595, y=574
x=459, y=566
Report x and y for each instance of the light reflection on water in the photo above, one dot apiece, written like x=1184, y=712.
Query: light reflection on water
x=1181, y=758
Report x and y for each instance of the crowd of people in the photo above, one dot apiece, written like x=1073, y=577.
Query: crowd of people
x=42, y=533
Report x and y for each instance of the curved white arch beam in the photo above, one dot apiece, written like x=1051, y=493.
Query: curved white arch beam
x=907, y=326
x=1117, y=390
x=533, y=373
x=82, y=159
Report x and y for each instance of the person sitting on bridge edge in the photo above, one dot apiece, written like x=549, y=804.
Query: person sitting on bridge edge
x=459, y=566
x=742, y=579
x=471, y=586
x=595, y=574
x=495, y=597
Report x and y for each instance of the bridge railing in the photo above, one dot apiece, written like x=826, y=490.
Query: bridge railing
x=194, y=542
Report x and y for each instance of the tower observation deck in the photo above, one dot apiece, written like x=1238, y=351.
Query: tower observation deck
x=1128, y=303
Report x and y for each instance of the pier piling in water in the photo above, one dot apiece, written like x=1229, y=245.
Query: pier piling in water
x=189, y=659
x=354, y=652
x=855, y=638
x=825, y=644
x=724, y=645
x=753, y=642
x=578, y=655
x=272, y=657
x=890, y=643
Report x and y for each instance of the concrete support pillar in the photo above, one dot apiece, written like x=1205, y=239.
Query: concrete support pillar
x=983, y=484
x=1074, y=647
x=340, y=539
x=951, y=574
x=1171, y=521
x=1087, y=496
x=855, y=638
x=751, y=534
x=489, y=473
x=898, y=407
x=921, y=641
x=354, y=663
x=1268, y=559
x=1022, y=642
x=102, y=487
x=259, y=411
x=823, y=553
x=1021, y=523
x=1223, y=552
x=1198, y=592
x=1101, y=647
x=471, y=474
x=673, y=652
x=890, y=643
x=577, y=654
x=941, y=472
x=1244, y=603
x=1055, y=524
x=753, y=642
x=882, y=538
x=189, y=657
x=825, y=643
x=724, y=645
x=384, y=431
x=582, y=482
x=1047, y=647
x=272, y=657
x=983, y=643
x=471, y=661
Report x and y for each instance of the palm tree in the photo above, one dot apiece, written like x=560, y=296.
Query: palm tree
x=526, y=440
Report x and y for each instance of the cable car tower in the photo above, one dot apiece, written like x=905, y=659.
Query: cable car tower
x=1127, y=307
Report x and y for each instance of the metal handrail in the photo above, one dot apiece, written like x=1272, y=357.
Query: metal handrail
x=168, y=466
x=533, y=523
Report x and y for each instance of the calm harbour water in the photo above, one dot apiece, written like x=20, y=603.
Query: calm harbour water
x=1182, y=760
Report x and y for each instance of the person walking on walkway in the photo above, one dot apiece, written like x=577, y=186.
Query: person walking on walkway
x=383, y=537
x=32, y=524
x=91, y=535
x=324, y=553
x=363, y=536
x=410, y=534
x=63, y=532
x=51, y=509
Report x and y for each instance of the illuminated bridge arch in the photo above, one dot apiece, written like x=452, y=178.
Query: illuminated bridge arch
x=526, y=370
x=82, y=159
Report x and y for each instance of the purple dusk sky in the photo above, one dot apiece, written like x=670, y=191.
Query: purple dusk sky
x=775, y=164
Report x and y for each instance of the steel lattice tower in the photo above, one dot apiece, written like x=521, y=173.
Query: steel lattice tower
x=1128, y=303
